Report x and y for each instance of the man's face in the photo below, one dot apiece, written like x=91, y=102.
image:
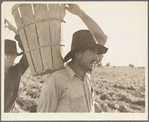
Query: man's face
x=87, y=59
x=100, y=56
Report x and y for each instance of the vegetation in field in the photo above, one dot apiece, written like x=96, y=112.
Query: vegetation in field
x=117, y=89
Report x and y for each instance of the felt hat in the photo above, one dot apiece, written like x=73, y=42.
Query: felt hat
x=10, y=47
x=83, y=39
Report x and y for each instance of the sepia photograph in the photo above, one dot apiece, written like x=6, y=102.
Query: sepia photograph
x=74, y=60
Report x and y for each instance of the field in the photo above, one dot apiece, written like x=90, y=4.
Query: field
x=117, y=89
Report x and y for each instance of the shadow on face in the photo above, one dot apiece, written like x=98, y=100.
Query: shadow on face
x=87, y=59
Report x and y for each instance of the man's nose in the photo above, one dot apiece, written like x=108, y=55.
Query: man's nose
x=99, y=57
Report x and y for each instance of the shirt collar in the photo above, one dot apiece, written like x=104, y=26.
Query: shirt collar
x=70, y=72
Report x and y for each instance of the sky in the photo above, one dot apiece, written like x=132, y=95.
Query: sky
x=125, y=24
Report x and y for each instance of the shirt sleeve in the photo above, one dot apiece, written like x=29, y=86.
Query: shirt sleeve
x=50, y=95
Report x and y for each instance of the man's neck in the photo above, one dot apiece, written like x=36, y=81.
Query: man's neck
x=77, y=69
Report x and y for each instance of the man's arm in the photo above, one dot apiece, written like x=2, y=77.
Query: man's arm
x=23, y=63
x=90, y=23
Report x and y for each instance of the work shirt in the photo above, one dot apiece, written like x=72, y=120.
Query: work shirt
x=12, y=81
x=65, y=91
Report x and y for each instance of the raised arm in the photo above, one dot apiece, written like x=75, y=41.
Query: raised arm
x=10, y=26
x=90, y=23
x=23, y=63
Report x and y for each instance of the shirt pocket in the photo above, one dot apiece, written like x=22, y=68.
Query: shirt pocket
x=77, y=104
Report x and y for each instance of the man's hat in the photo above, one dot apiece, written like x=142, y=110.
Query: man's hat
x=83, y=39
x=10, y=47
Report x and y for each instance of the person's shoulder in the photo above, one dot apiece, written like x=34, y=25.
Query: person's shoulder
x=57, y=75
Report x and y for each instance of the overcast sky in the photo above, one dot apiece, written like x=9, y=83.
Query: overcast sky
x=125, y=24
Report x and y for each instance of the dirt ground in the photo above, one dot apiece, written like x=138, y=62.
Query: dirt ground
x=117, y=89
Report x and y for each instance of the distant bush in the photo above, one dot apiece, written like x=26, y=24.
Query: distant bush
x=141, y=67
x=131, y=65
x=108, y=64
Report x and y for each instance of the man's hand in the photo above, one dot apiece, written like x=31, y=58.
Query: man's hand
x=10, y=26
x=89, y=22
x=74, y=9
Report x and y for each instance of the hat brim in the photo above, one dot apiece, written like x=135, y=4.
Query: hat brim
x=101, y=50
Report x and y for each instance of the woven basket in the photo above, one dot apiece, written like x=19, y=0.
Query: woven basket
x=39, y=27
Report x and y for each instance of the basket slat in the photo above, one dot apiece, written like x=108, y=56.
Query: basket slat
x=62, y=11
x=15, y=7
x=23, y=37
x=54, y=12
x=41, y=12
x=31, y=32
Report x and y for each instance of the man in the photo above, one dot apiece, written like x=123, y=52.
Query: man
x=69, y=89
x=12, y=73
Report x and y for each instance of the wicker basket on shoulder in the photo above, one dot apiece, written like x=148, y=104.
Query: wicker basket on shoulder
x=39, y=27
